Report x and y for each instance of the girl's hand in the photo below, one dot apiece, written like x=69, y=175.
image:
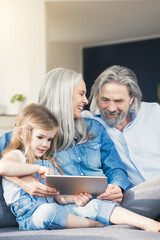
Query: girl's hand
x=82, y=199
x=43, y=171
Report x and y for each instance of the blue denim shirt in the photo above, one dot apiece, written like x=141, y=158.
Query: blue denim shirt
x=97, y=157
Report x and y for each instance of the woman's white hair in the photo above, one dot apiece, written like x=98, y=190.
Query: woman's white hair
x=117, y=74
x=56, y=94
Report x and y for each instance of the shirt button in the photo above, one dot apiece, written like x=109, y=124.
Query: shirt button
x=20, y=210
x=16, y=204
x=79, y=158
x=81, y=173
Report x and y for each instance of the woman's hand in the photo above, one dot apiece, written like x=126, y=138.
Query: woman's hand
x=112, y=193
x=33, y=186
x=82, y=199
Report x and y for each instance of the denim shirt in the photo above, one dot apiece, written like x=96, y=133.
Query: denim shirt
x=97, y=157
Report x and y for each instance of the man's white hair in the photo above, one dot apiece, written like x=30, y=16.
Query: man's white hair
x=117, y=74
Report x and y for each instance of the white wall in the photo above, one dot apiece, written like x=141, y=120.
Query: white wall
x=64, y=54
x=22, y=48
x=61, y=53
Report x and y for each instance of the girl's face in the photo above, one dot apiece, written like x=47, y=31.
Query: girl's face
x=41, y=141
x=79, y=98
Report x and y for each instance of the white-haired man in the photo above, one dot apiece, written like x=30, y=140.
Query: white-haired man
x=134, y=127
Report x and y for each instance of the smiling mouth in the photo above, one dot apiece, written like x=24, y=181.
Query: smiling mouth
x=41, y=150
x=81, y=108
x=112, y=116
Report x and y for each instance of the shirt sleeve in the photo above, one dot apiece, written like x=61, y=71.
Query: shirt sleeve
x=112, y=165
x=4, y=141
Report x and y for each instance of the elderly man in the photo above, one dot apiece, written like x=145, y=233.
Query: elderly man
x=134, y=127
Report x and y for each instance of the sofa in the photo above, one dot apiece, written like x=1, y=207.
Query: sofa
x=9, y=230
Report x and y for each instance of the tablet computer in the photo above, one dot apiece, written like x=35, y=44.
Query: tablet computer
x=69, y=185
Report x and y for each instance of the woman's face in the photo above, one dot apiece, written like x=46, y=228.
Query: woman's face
x=79, y=98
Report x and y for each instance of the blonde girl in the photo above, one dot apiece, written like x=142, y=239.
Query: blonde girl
x=34, y=139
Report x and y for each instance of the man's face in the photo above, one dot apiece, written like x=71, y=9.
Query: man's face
x=114, y=103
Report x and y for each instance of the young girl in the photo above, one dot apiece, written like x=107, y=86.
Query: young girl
x=33, y=140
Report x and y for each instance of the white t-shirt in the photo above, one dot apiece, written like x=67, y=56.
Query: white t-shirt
x=11, y=190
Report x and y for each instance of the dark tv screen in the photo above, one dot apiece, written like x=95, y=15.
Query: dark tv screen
x=143, y=57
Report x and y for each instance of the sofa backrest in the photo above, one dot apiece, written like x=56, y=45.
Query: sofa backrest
x=7, y=219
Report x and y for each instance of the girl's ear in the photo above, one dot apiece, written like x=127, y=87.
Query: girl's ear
x=20, y=134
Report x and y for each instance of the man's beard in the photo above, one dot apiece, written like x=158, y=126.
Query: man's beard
x=115, y=121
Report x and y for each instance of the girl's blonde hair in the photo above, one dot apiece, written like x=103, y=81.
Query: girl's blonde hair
x=32, y=116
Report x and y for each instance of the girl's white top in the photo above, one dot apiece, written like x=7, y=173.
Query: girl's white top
x=11, y=190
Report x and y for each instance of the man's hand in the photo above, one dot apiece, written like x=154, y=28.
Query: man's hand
x=112, y=193
x=33, y=186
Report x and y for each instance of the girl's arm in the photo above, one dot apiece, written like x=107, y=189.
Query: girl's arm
x=11, y=166
x=81, y=199
x=29, y=183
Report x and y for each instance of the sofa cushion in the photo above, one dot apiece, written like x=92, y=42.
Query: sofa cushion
x=7, y=219
x=112, y=232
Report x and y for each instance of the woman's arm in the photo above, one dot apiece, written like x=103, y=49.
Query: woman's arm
x=33, y=186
